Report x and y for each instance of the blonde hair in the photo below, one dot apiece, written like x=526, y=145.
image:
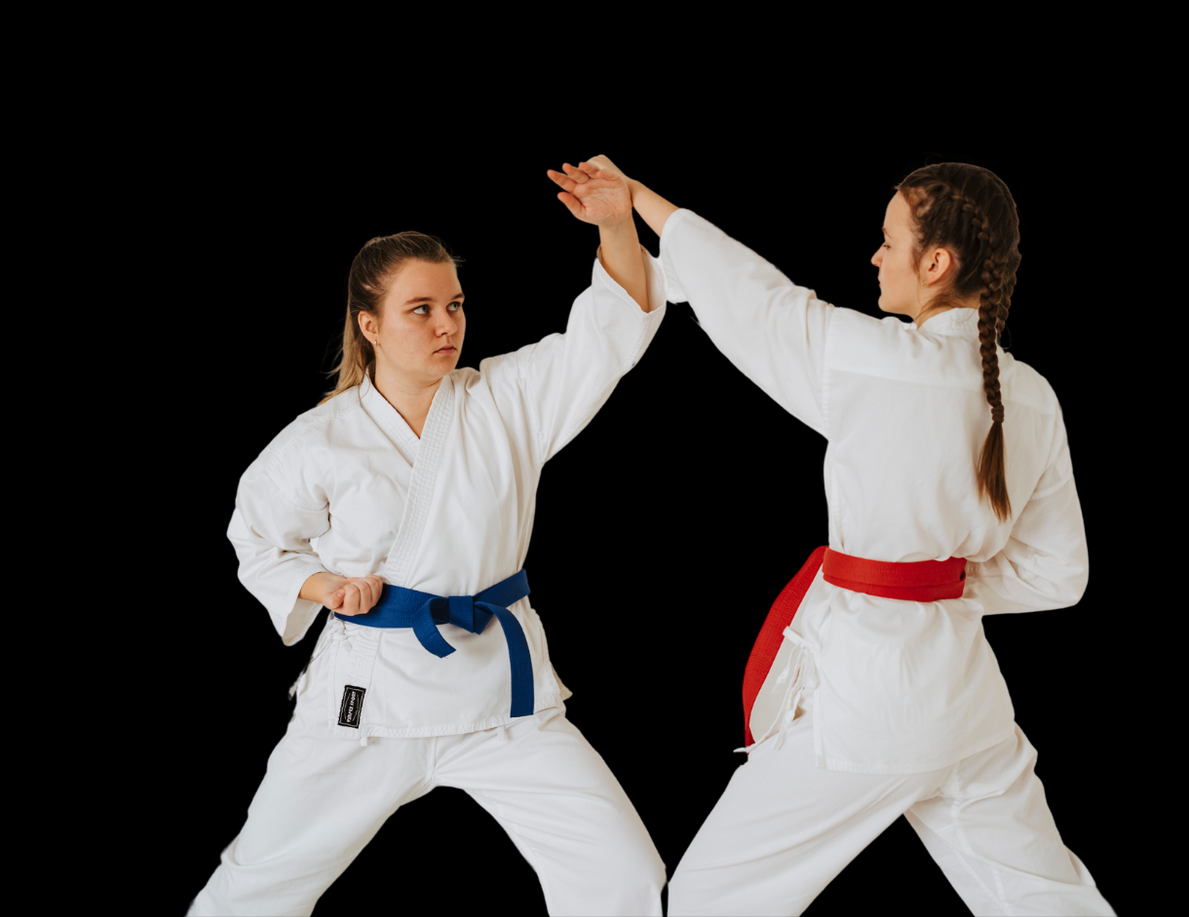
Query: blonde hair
x=372, y=271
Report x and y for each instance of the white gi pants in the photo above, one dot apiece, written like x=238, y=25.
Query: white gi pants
x=785, y=828
x=324, y=798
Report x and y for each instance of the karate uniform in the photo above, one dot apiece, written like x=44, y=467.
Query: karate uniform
x=350, y=489
x=876, y=707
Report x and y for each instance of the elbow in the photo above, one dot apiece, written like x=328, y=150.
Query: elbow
x=1073, y=586
x=1079, y=586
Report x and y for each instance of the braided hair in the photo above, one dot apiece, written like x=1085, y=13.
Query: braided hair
x=969, y=210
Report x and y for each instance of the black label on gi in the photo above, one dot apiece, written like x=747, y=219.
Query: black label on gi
x=351, y=705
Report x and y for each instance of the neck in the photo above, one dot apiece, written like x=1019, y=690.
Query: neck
x=925, y=314
x=929, y=311
x=411, y=399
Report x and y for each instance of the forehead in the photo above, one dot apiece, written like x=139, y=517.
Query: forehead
x=437, y=280
x=897, y=213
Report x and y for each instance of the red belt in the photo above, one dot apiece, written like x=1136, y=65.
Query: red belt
x=922, y=581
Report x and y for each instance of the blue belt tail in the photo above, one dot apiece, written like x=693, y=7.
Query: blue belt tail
x=423, y=611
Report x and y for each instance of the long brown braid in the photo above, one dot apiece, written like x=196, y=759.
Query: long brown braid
x=969, y=210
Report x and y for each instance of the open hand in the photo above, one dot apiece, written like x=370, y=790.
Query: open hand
x=354, y=596
x=595, y=192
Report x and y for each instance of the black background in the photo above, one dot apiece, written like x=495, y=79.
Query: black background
x=664, y=531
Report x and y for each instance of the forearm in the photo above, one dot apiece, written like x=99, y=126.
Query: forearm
x=653, y=209
x=623, y=259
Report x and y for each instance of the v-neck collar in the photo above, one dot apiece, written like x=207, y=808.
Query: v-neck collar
x=394, y=425
x=428, y=456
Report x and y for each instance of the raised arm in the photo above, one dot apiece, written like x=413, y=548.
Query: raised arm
x=595, y=192
x=771, y=329
x=653, y=209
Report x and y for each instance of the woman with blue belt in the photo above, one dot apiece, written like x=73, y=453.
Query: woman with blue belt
x=404, y=502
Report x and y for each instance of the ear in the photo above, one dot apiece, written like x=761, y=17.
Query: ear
x=368, y=325
x=937, y=266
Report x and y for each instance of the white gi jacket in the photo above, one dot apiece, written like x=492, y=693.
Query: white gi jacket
x=348, y=488
x=901, y=687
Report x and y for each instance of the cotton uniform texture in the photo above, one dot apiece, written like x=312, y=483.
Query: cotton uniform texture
x=898, y=687
x=350, y=489
x=785, y=828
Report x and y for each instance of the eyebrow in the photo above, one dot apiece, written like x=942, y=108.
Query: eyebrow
x=409, y=302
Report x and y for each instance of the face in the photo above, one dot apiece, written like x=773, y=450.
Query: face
x=900, y=288
x=906, y=286
x=420, y=326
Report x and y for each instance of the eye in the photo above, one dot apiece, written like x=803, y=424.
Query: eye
x=420, y=307
x=455, y=306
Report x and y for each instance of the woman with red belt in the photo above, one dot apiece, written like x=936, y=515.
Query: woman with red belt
x=951, y=496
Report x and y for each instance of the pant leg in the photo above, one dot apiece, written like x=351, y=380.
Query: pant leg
x=993, y=836
x=321, y=801
x=566, y=813
x=785, y=828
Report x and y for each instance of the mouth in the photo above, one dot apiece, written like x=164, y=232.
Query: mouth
x=447, y=350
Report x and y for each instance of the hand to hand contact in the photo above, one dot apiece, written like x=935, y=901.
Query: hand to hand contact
x=595, y=192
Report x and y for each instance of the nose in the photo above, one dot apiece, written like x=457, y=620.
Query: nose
x=877, y=258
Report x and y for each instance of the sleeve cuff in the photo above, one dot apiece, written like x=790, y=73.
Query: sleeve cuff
x=654, y=278
x=673, y=289
x=297, y=614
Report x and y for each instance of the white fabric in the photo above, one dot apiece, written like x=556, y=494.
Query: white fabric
x=903, y=687
x=348, y=488
x=323, y=799
x=785, y=828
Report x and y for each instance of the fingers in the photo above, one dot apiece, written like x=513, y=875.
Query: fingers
x=572, y=203
x=577, y=174
x=350, y=602
x=565, y=182
x=377, y=585
x=359, y=595
x=599, y=168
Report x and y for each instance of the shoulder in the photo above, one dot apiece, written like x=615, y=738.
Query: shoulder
x=1027, y=386
x=850, y=321
x=494, y=373
x=316, y=425
x=855, y=337
x=467, y=378
x=304, y=448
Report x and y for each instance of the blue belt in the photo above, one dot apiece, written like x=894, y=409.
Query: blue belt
x=423, y=611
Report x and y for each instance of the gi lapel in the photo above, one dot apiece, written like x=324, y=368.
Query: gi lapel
x=397, y=569
x=352, y=679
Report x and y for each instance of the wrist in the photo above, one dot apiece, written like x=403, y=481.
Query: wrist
x=619, y=226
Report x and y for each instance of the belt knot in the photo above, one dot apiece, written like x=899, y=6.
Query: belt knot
x=459, y=611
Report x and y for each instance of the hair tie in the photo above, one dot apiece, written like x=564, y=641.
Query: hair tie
x=997, y=414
